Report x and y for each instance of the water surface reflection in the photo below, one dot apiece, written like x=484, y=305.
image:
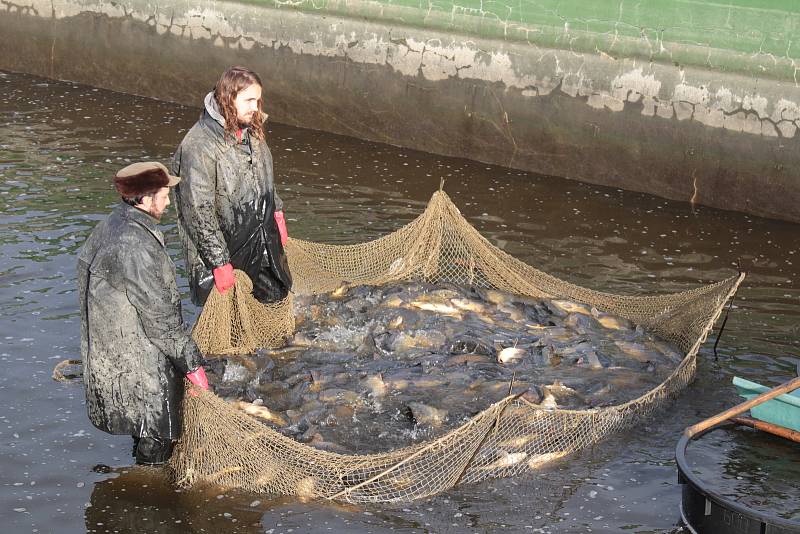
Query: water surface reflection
x=62, y=142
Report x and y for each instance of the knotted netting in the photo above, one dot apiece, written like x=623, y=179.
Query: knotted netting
x=239, y=324
x=222, y=445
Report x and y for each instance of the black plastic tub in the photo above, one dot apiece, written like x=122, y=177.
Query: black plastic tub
x=705, y=511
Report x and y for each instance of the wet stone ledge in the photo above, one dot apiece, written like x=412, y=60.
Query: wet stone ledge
x=683, y=131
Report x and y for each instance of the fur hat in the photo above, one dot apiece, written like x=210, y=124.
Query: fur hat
x=143, y=178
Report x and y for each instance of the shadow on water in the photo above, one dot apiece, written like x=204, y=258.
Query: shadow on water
x=141, y=499
x=62, y=142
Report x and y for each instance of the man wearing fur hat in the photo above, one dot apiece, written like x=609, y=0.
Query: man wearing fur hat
x=134, y=345
x=229, y=215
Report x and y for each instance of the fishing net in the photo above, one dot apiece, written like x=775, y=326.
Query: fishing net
x=237, y=323
x=221, y=445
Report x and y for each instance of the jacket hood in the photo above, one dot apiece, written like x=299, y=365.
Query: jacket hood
x=212, y=108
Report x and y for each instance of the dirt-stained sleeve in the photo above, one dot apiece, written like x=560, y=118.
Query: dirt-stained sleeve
x=158, y=307
x=270, y=177
x=195, y=196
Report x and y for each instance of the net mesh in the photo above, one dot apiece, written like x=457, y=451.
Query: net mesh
x=237, y=323
x=221, y=445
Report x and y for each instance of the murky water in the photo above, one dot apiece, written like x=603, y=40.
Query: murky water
x=751, y=468
x=61, y=143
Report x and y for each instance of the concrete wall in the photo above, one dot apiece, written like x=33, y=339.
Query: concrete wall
x=684, y=99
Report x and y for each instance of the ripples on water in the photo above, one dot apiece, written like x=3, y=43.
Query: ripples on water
x=59, y=147
x=749, y=467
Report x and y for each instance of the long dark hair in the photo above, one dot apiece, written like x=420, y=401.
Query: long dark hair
x=231, y=83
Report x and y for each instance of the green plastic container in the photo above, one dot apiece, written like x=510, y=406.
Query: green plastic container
x=783, y=410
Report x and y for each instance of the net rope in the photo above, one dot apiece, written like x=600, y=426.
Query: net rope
x=222, y=445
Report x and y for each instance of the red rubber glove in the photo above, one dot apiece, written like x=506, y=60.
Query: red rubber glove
x=198, y=378
x=223, y=277
x=281, y=227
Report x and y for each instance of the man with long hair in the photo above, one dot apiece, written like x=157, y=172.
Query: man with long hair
x=229, y=215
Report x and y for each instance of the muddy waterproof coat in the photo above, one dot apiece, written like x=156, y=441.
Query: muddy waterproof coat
x=226, y=203
x=134, y=346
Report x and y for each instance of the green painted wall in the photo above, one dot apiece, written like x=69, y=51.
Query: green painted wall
x=755, y=37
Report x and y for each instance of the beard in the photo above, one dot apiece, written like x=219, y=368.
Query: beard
x=247, y=120
x=156, y=214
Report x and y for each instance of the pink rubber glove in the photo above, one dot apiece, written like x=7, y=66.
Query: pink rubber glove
x=198, y=378
x=281, y=227
x=223, y=277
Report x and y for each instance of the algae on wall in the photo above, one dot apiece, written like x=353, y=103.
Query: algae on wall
x=756, y=37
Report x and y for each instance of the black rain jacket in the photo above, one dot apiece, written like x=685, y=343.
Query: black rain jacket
x=134, y=344
x=226, y=202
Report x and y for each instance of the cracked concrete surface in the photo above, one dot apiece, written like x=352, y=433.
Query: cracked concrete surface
x=712, y=98
x=511, y=78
